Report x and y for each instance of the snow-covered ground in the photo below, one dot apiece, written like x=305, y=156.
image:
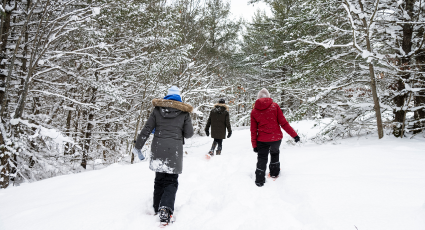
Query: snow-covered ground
x=362, y=183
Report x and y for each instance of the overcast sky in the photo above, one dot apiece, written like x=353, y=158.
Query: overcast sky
x=240, y=8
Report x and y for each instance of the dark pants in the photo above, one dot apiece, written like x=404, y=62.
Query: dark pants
x=165, y=189
x=263, y=154
x=218, y=142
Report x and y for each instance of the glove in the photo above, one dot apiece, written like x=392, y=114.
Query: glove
x=139, y=153
x=297, y=138
x=229, y=134
x=207, y=132
x=256, y=149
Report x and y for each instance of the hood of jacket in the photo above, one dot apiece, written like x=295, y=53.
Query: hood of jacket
x=171, y=108
x=263, y=103
x=220, y=107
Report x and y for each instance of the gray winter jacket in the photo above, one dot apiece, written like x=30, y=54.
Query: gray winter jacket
x=172, y=124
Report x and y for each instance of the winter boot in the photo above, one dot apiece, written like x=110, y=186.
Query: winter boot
x=259, y=184
x=274, y=169
x=164, y=215
x=211, y=152
x=260, y=177
x=218, y=152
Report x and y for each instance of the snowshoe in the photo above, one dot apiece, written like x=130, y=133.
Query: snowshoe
x=164, y=224
x=209, y=154
x=273, y=177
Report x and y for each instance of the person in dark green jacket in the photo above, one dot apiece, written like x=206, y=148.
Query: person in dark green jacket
x=219, y=121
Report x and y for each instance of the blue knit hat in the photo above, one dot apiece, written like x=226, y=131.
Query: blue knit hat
x=173, y=90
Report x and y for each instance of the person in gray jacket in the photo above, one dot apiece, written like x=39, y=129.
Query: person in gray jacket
x=172, y=123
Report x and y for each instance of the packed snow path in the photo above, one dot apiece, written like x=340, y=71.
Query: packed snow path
x=364, y=182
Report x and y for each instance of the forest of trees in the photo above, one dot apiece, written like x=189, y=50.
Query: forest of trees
x=78, y=76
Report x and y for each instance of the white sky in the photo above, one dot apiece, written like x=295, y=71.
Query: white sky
x=240, y=8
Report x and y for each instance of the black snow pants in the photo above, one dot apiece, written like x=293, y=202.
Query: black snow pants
x=263, y=154
x=165, y=189
x=219, y=142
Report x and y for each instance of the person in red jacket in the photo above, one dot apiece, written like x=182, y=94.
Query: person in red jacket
x=266, y=120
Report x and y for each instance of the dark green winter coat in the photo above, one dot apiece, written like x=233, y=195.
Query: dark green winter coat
x=219, y=121
x=172, y=123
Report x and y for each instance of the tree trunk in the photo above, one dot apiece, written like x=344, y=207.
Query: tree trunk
x=4, y=162
x=376, y=106
x=4, y=34
x=419, y=114
x=88, y=132
x=68, y=130
x=54, y=112
x=405, y=62
x=21, y=102
x=419, y=99
x=32, y=65
x=5, y=170
x=5, y=28
x=108, y=134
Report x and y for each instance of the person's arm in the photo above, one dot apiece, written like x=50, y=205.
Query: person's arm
x=187, y=127
x=146, y=131
x=284, y=123
x=229, y=128
x=254, y=132
x=207, y=127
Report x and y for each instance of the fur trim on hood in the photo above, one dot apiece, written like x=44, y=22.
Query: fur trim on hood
x=263, y=93
x=222, y=105
x=173, y=104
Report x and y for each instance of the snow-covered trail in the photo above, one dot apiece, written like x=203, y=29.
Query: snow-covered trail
x=368, y=183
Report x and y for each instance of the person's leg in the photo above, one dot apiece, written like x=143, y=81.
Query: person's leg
x=220, y=146
x=262, y=158
x=274, y=158
x=158, y=190
x=168, y=198
x=214, y=144
x=220, y=143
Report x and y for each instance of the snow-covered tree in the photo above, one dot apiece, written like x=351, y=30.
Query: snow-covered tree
x=352, y=53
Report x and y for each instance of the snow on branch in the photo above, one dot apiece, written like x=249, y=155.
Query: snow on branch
x=328, y=45
x=66, y=98
x=353, y=26
x=51, y=133
x=414, y=23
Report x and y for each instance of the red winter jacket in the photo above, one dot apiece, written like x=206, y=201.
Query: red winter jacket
x=266, y=117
